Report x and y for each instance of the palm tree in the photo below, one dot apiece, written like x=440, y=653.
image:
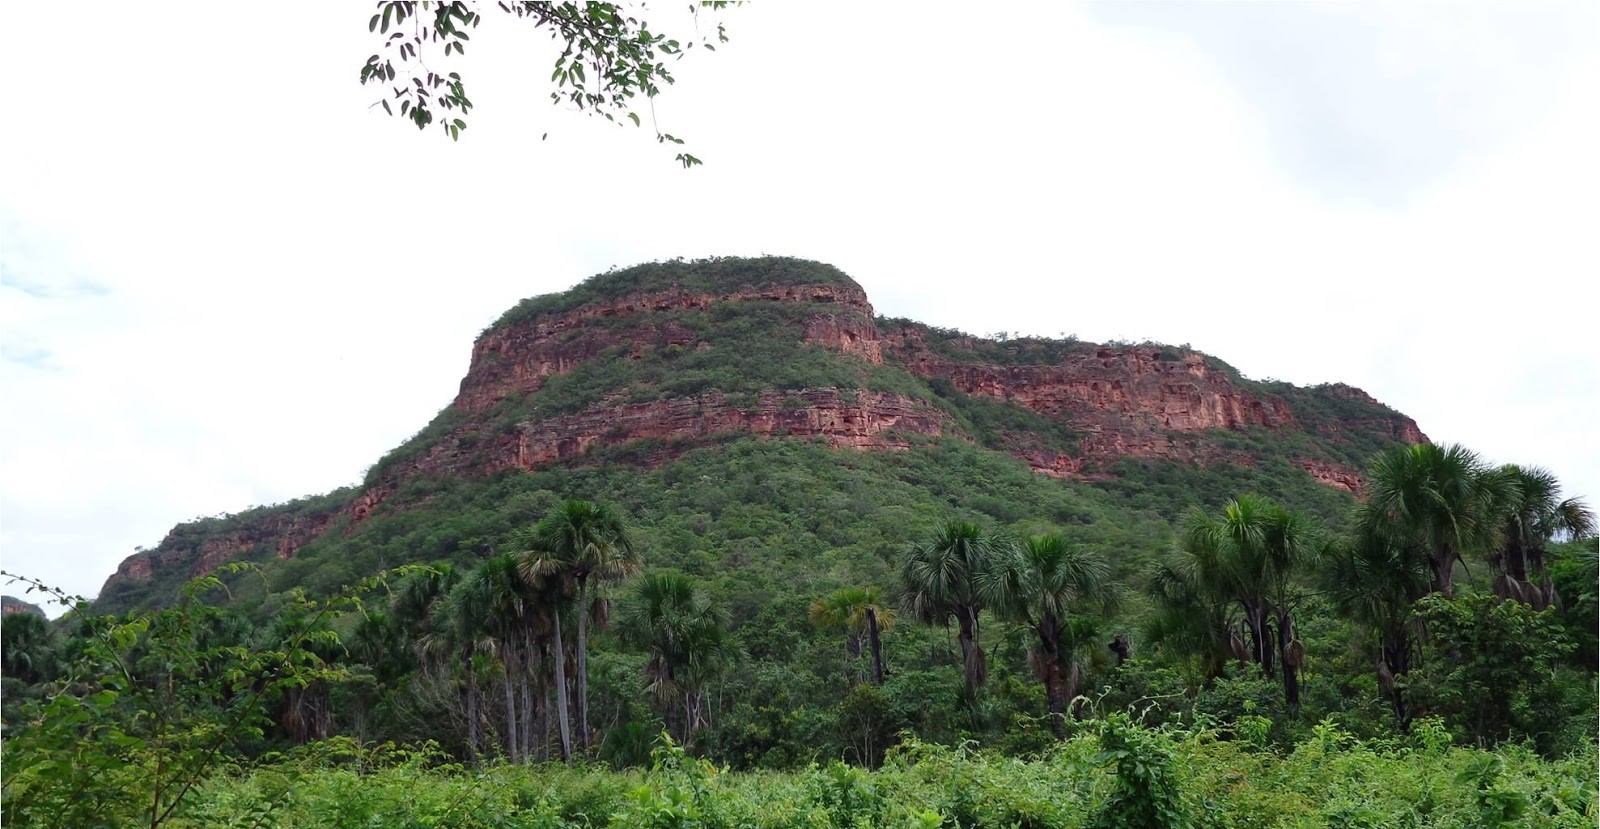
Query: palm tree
x=1292, y=543
x=1443, y=497
x=1047, y=583
x=506, y=601
x=1229, y=560
x=580, y=543
x=941, y=580
x=461, y=624
x=414, y=612
x=27, y=645
x=1248, y=556
x=1374, y=577
x=858, y=611
x=682, y=632
x=1531, y=518
x=1190, y=623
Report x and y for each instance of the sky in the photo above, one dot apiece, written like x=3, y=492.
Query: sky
x=227, y=279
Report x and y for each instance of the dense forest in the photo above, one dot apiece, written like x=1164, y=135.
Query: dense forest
x=1261, y=674
x=771, y=629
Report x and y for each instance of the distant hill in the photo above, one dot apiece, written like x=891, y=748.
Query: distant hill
x=760, y=426
x=12, y=604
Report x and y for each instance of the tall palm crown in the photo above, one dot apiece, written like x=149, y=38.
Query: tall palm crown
x=26, y=646
x=1376, y=576
x=580, y=540
x=941, y=573
x=1188, y=622
x=1444, y=497
x=1047, y=578
x=577, y=544
x=1533, y=515
x=415, y=610
x=846, y=609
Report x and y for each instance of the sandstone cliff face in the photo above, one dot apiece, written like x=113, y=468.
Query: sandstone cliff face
x=192, y=551
x=1129, y=401
x=867, y=420
x=1121, y=401
x=518, y=359
x=1398, y=428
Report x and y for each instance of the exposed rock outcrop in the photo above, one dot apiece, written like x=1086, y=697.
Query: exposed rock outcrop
x=1119, y=401
x=519, y=358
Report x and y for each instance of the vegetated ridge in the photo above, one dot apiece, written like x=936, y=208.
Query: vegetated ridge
x=12, y=604
x=643, y=367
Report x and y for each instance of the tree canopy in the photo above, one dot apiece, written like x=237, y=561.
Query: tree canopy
x=612, y=62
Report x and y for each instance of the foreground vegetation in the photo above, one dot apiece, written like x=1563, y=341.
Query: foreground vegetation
x=1270, y=671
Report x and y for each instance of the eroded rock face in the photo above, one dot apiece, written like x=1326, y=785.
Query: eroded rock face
x=1399, y=428
x=186, y=550
x=519, y=358
x=1124, y=401
x=1334, y=475
x=861, y=420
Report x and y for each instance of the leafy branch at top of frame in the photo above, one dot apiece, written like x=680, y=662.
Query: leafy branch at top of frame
x=611, y=60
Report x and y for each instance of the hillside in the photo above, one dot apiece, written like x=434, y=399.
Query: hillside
x=760, y=425
x=12, y=604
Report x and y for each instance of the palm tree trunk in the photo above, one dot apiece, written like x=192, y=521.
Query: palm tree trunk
x=1074, y=676
x=1443, y=563
x=528, y=714
x=1054, y=683
x=877, y=647
x=471, y=690
x=1394, y=662
x=1291, y=679
x=972, y=660
x=560, y=659
x=1261, y=636
x=583, y=665
x=513, y=736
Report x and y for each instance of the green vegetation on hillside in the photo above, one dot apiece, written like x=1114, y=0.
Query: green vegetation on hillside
x=932, y=637
x=1267, y=663
x=715, y=276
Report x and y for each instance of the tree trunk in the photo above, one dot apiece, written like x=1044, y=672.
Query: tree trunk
x=1443, y=564
x=1394, y=662
x=530, y=700
x=529, y=717
x=972, y=659
x=561, y=693
x=877, y=647
x=1054, y=683
x=1291, y=679
x=583, y=665
x=472, y=702
x=513, y=735
x=1261, y=637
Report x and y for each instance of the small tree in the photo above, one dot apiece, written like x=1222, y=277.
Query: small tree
x=1492, y=668
x=149, y=706
x=857, y=612
x=674, y=621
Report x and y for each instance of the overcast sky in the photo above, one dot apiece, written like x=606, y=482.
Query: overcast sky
x=226, y=280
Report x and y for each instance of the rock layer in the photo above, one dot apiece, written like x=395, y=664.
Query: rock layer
x=1144, y=402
